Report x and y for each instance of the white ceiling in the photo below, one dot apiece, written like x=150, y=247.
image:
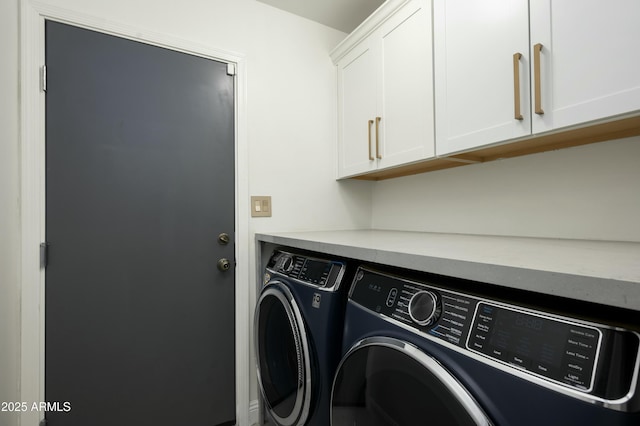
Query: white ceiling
x=344, y=15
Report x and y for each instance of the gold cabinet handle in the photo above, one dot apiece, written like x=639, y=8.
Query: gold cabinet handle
x=536, y=75
x=369, y=140
x=378, y=155
x=516, y=86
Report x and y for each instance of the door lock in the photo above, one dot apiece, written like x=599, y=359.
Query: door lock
x=224, y=238
x=224, y=264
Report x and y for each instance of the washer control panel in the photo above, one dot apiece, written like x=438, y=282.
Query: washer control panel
x=442, y=314
x=557, y=349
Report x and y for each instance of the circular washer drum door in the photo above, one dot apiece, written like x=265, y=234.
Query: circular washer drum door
x=383, y=381
x=282, y=349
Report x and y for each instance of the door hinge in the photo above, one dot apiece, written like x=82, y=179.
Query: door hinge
x=43, y=78
x=44, y=254
x=231, y=69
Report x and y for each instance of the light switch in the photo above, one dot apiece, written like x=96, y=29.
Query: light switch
x=260, y=206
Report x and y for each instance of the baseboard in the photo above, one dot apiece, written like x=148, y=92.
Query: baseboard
x=254, y=412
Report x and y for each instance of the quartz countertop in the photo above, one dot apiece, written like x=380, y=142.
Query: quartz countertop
x=604, y=272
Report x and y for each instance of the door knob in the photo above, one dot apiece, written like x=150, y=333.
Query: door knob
x=224, y=264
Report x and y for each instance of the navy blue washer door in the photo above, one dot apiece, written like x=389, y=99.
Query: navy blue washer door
x=139, y=184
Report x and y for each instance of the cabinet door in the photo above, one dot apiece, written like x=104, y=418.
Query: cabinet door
x=589, y=60
x=405, y=101
x=474, y=44
x=356, y=110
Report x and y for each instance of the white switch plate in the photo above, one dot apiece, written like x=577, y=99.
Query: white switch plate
x=260, y=206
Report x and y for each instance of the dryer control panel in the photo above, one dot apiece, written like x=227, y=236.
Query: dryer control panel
x=562, y=350
x=309, y=270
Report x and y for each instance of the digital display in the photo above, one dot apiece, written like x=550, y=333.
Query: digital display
x=314, y=270
x=529, y=336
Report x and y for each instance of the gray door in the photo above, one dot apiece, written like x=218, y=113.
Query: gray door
x=139, y=184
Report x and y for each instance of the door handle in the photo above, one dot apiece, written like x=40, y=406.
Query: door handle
x=516, y=86
x=369, y=140
x=224, y=265
x=378, y=155
x=536, y=75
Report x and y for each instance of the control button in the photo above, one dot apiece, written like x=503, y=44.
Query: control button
x=486, y=319
x=498, y=354
x=478, y=345
x=453, y=339
x=422, y=307
x=519, y=361
x=575, y=379
x=583, y=334
x=391, y=298
x=487, y=310
x=478, y=341
x=481, y=337
x=576, y=367
x=577, y=355
x=483, y=328
x=541, y=369
x=580, y=344
x=453, y=321
x=455, y=331
x=582, y=356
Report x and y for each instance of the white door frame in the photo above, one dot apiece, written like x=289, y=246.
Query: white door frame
x=32, y=161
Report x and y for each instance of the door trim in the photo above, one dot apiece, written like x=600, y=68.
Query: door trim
x=32, y=189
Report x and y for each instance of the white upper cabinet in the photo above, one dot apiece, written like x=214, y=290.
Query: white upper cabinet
x=405, y=101
x=357, y=109
x=385, y=92
x=589, y=61
x=509, y=68
x=474, y=47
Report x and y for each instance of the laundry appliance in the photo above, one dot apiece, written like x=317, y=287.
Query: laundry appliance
x=298, y=335
x=418, y=350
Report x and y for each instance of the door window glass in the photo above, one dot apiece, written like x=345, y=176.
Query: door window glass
x=280, y=366
x=381, y=386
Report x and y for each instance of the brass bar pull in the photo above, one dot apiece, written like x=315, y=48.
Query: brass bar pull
x=369, y=140
x=378, y=155
x=516, y=86
x=536, y=75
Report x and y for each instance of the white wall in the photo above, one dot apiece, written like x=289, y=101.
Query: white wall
x=291, y=124
x=587, y=192
x=9, y=211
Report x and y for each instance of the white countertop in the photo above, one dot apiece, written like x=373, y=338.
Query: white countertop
x=596, y=271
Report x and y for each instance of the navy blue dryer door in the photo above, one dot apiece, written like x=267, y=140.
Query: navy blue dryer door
x=283, y=352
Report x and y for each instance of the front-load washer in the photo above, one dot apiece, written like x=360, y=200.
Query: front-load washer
x=298, y=335
x=417, y=352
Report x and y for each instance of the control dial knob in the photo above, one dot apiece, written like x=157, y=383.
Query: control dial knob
x=286, y=264
x=423, y=308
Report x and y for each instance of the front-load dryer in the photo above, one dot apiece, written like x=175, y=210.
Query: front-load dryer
x=417, y=352
x=298, y=335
